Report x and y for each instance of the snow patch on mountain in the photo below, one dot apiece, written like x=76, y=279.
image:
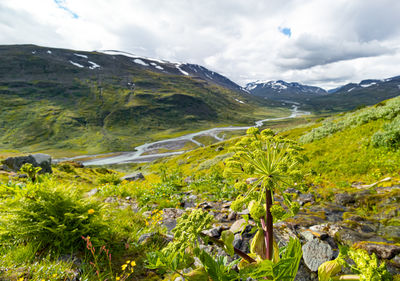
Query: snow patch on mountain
x=368, y=85
x=76, y=64
x=82, y=56
x=139, y=61
x=182, y=71
x=93, y=65
x=239, y=101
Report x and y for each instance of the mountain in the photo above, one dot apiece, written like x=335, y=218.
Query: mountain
x=281, y=90
x=109, y=100
x=343, y=98
x=353, y=95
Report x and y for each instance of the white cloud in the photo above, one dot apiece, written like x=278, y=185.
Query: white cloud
x=332, y=42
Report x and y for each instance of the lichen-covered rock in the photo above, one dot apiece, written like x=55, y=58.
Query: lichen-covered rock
x=315, y=253
x=37, y=160
x=345, y=199
x=382, y=250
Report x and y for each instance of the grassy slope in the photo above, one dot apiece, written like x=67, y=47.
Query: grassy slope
x=336, y=160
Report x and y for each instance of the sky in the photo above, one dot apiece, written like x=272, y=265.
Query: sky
x=324, y=43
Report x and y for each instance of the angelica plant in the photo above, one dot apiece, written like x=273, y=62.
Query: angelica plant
x=274, y=162
x=365, y=267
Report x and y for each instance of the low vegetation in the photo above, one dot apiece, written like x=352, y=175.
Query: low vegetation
x=87, y=223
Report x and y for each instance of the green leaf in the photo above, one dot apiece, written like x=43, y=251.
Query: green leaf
x=227, y=237
x=328, y=269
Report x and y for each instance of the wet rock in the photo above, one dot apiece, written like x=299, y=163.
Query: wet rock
x=382, y=250
x=315, y=253
x=345, y=199
x=37, y=160
x=133, y=177
x=305, y=198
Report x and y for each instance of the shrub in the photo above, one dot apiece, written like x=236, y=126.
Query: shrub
x=52, y=217
x=109, y=178
x=389, y=136
x=385, y=110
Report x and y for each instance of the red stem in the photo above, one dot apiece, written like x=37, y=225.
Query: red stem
x=267, y=226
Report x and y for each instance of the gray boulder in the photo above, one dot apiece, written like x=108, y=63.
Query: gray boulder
x=37, y=160
x=133, y=177
x=315, y=253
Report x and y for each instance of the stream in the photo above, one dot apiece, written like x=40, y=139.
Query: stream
x=143, y=153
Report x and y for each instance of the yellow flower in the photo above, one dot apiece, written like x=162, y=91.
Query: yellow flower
x=90, y=211
x=128, y=261
x=133, y=263
x=21, y=279
x=117, y=278
x=124, y=266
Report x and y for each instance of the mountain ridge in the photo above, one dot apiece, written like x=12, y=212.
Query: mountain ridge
x=70, y=99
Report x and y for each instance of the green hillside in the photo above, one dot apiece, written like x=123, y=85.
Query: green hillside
x=49, y=103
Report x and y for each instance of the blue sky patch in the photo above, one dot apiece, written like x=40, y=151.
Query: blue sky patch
x=286, y=31
x=62, y=5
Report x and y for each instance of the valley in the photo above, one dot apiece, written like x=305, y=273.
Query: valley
x=145, y=169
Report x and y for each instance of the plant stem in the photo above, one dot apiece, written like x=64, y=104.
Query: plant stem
x=267, y=225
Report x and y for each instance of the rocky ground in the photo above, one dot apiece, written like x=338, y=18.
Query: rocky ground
x=365, y=217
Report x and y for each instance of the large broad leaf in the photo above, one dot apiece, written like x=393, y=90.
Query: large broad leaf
x=328, y=269
x=227, y=237
x=218, y=270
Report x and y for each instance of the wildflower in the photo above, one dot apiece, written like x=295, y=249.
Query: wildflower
x=124, y=266
x=133, y=263
x=90, y=211
x=117, y=278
